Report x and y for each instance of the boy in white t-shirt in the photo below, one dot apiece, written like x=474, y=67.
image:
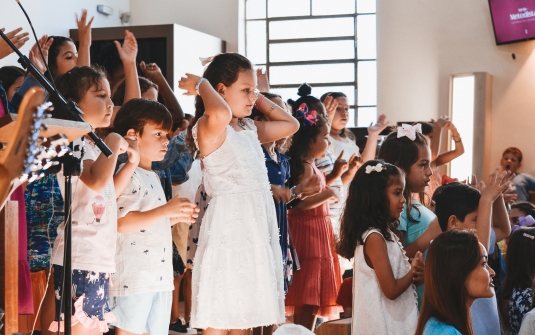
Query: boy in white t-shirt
x=143, y=283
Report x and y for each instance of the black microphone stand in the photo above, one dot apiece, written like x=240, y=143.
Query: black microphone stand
x=71, y=167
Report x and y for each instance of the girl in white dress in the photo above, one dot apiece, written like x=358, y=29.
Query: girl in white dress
x=384, y=295
x=237, y=280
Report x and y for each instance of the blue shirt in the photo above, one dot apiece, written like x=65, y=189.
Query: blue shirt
x=435, y=327
x=484, y=311
x=413, y=230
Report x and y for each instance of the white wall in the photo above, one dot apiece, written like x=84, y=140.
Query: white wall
x=421, y=43
x=55, y=17
x=220, y=18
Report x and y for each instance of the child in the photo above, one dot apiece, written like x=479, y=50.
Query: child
x=459, y=206
x=143, y=282
x=523, y=183
x=384, y=297
x=238, y=260
x=519, y=275
x=528, y=323
x=12, y=78
x=408, y=149
x=456, y=274
x=315, y=286
x=521, y=209
x=94, y=213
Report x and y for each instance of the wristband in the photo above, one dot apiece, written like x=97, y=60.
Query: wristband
x=259, y=101
x=272, y=108
x=295, y=195
x=199, y=85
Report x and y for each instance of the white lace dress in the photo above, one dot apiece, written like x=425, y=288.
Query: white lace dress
x=373, y=312
x=237, y=278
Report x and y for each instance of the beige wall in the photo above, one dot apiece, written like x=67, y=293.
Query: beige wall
x=220, y=18
x=420, y=43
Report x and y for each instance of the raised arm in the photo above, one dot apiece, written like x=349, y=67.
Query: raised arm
x=84, y=34
x=212, y=125
x=451, y=155
x=153, y=72
x=128, y=53
x=16, y=37
x=281, y=124
x=373, y=133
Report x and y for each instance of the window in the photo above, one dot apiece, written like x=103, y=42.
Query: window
x=330, y=44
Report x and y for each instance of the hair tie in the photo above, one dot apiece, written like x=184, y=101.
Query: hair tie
x=377, y=168
x=409, y=131
x=306, y=117
x=524, y=221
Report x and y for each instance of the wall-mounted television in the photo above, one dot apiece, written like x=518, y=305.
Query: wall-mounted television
x=513, y=20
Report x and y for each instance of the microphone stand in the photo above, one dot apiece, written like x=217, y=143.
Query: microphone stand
x=71, y=167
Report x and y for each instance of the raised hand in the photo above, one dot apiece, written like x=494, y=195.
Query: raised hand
x=16, y=37
x=151, y=71
x=128, y=50
x=354, y=163
x=188, y=84
x=340, y=165
x=133, y=149
x=330, y=104
x=35, y=55
x=181, y=210
x=441, y=122
x=496, y=185
x=262, y=80
x=84, y=28
x=379, y=126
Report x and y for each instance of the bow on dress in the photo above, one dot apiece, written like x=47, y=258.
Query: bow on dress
x=409, y=131
x=306, y=117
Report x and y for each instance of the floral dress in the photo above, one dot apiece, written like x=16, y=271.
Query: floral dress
x=519, y=305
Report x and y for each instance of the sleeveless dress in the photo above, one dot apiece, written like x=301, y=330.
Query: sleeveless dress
x=318, y=281
x=373, y=312
x=237, y=280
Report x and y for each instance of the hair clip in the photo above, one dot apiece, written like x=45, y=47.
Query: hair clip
x=378, y=168
x=523, y=221
x=409, y=131
x=206, y=60
x=306, y=117
x=529, y=236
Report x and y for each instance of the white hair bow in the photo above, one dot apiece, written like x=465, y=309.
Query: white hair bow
x=378, y=168
x=409, y=131
x=206, y=60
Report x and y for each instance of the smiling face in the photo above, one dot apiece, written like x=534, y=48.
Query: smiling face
x=394, y=192
x=67, y=58
x=479, y=282
x=240, y=96
x=341, y=116
x=420, y=172
x=97, y=105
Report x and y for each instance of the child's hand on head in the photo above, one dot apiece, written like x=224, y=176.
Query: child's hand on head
x=340, y=165
x=331, y=104
x=379, y=126
x=84, y=28
x=281, y=194
x=127, y=51
x=496, y=185
x=16, y=37
x=35, y=55
x=151, y=71
x=188, y=83
x=309, y=186
x=181, y=210
x=133, y=149
x=262, y=80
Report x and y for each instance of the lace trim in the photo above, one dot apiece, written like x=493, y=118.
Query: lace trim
x=407, y=262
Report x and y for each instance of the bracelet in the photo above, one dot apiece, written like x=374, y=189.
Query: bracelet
x=457, y=141
x=295, y=195
x=199, y=85
x=259, y=101
x=272, y=108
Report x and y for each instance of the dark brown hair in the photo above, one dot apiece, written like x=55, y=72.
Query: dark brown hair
x=145, y=84
x=403, y=153
x=514, y=151
x=224, y=69
x=370, y=207
x=10, y=74
x=53, y=53
x=136, y=113
x=74, y=85
x=519, y=261
x=451, y=258
x=345, y=133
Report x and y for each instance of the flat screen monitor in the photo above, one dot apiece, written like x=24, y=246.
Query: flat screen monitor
x=513, y=20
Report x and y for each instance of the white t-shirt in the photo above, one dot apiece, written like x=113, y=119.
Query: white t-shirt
x=347, y=145
x=528, y=324
x=144, y=258
x=94, y=220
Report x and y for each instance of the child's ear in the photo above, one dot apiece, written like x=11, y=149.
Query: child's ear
x=453, y=222
x=131, y=132
x=221, y=89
